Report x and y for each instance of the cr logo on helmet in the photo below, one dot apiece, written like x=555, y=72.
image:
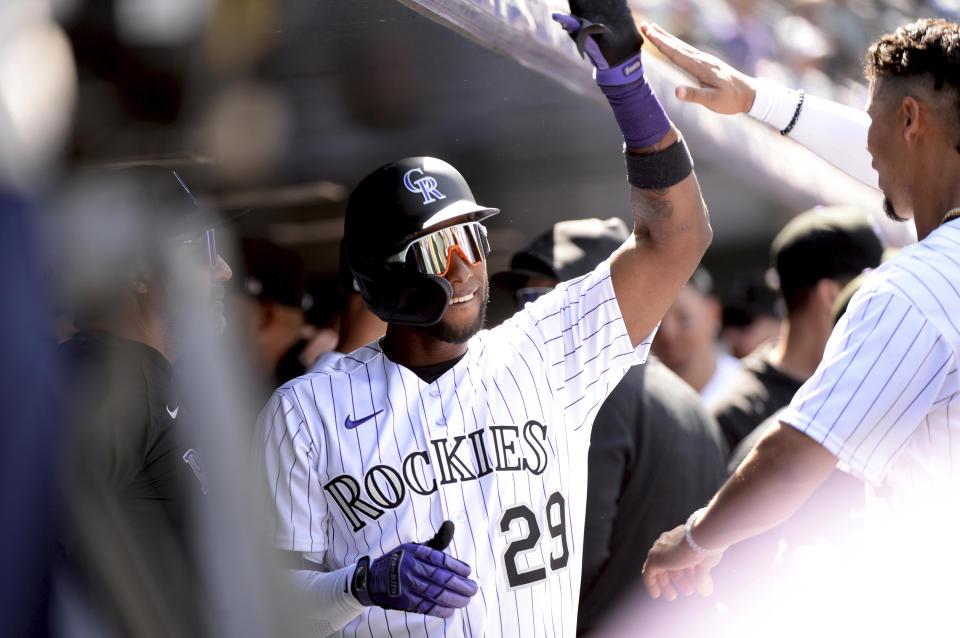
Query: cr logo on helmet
x=426, y=186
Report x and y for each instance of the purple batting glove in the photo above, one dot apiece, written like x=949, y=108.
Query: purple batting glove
x=416, y=578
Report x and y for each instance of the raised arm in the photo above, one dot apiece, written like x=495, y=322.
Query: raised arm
x=835, y=132
x=671, y=232
x=671, y=227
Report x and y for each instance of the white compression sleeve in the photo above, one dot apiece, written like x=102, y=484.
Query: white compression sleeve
x=835, y=132
x=326, y=597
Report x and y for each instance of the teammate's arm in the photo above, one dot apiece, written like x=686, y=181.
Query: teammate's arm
x=671, y=228
x=835, y=132
x=777, y=477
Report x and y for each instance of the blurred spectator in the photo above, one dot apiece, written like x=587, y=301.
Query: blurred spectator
x=654, y=450
x=844, y=26
x=30, y=435
x=142, y=263
x=752, y=314
x=744, y=37
x=816, y=44
x=267, y=300
x=804, y=50
x=358, y=326
x=815, y=255
x=322, y=331
x=687, y=339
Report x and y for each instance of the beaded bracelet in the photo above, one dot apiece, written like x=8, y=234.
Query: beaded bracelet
x=687, y=533
x=796, y=116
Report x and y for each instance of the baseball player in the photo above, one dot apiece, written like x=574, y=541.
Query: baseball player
x=433, y=482
x=884, y=400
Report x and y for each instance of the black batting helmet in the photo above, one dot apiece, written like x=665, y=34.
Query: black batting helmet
x=389, y=208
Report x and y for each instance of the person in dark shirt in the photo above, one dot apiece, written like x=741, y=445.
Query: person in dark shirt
x=655, y=452
x=814, y=255
x=131, y=472
x=760, y=389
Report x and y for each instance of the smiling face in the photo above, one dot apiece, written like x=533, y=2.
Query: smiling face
x=467, y=309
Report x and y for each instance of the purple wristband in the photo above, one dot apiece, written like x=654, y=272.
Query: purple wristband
x=639, y=113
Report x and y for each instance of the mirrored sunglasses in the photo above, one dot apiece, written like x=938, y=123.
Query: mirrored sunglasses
x=430, y=254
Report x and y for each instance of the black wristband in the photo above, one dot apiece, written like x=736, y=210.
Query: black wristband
x=663, y=169
x=361, y=581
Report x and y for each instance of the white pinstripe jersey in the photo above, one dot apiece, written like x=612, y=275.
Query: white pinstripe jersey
x=885, y=397
x=364, y=456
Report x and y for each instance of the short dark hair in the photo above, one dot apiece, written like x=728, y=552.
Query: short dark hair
x=926, y=48
x=930, y=46
x=831, y=242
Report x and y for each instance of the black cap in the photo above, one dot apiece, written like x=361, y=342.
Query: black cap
x=402, y=200
x=271, y=273
x=749, y=297
x=569, y=249
x=832, y=242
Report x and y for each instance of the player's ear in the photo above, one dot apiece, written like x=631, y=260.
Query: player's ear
x=826, y=291
x=914, y=118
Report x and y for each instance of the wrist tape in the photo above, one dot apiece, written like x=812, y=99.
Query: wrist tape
x=663, y=169
x=639, y=113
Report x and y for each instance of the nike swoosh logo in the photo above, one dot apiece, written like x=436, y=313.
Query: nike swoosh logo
x=350, y=423
x=174, y=412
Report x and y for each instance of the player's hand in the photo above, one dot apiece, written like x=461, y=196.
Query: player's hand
x=673, y=566
x=417, y=577
x=604, y=30
x=722, y=88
